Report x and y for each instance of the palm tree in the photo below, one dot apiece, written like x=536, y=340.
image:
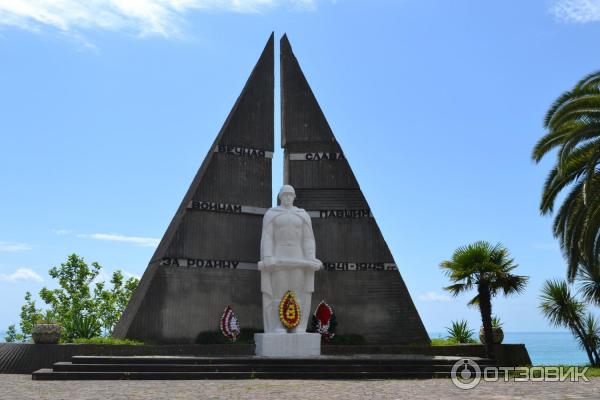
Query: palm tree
x=573, y=124
x=488, y=268
x=562, y=309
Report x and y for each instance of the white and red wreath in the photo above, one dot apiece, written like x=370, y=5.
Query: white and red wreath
x=230, y=326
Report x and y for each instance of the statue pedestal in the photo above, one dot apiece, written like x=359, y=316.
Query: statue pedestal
x=288, y=344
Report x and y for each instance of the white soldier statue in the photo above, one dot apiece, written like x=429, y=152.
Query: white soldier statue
x=287, y=253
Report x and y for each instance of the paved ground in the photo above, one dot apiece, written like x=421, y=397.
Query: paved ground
x=22, y=387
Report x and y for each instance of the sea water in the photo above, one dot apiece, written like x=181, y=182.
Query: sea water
x=545, y=348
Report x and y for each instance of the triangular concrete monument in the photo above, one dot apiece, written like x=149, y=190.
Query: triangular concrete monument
x=207, y=258
x=360, y=279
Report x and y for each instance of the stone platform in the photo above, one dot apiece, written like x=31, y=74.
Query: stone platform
x=288, y=344
x=25, y=358
x=190, y=368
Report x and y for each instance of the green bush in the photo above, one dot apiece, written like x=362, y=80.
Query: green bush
x=107, y=340
x=347, y=340
x=81, y=327
x=459, y=332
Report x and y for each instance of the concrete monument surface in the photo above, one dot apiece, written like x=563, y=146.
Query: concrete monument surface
x=288, y=263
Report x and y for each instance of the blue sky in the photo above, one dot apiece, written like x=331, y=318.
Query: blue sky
x=108, y=108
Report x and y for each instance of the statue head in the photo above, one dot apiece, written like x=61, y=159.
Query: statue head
x=286, y=195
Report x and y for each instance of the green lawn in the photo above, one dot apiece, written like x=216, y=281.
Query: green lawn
x=447, y=342
x=593, y=372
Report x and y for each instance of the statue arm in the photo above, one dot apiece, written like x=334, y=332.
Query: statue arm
x=266, y=260
x=308, y=239
x=266, y=240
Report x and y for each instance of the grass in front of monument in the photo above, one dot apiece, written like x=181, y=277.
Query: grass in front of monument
x=446, y=342
x=108, y=340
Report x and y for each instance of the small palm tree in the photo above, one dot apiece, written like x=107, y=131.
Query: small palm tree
x=496, y=322
x=459, y=332
x=561, y=308
x=487, y=268
x=573, y=124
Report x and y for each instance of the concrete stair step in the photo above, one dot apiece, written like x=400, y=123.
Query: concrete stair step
x=333, y=360
x=328, y=367
x=48, y=374
x=67, y=366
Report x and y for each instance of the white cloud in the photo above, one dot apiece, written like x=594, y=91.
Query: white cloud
x=21, y=274
x=11, y=247
x=115, y=237
x=576, y=11
x=142, y=17
x=433, y=296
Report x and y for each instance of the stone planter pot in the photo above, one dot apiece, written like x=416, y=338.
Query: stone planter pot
x=46, y=333
x=497, y=334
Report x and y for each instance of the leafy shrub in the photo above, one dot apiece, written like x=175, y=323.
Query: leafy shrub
x=496, y=323
x=459, y=332
x=47, y=317
x=82, y=327
x=108, y=340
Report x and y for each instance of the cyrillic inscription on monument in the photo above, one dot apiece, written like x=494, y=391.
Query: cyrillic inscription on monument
x=317, y=156
x=217, y=207
x=243, y=151
x=363, y=266
x=217, y=264
x=341, y=214
x=232, y=264
x=225, y=207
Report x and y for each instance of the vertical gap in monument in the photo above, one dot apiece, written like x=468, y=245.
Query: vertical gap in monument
x=277, y=165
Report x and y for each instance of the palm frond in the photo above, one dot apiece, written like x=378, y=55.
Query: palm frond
x=589, y=283
x=559, y=306
x=573, y=124
x=591, y=333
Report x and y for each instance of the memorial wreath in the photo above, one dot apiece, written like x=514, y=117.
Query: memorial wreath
x=289, y=310
x=230, y=326
x=324, y=321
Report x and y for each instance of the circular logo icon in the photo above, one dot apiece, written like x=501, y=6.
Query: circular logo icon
x=465, y=374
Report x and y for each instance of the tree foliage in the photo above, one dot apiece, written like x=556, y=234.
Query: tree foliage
x=12, y=335
x=84, y=307
x=573, y=125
